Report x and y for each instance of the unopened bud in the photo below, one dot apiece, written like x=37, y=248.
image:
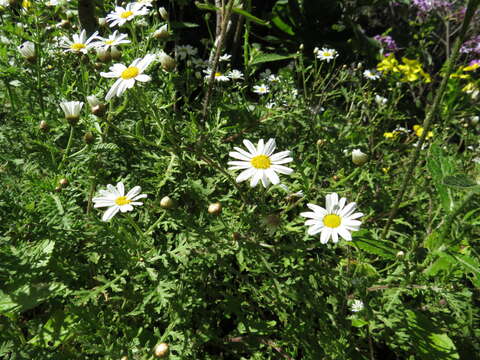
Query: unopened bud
x=336, y=178
x=103, y=55
x=27, y=50
x=102, y=22
x=43, y=126
x=161, y=350
x=400, y=254
x=88, y=137
x=115, y=53
x=215, y=208
x=167, y=203
x=321, y=142
x=63, y=182
x=58, y=188
x=99, y=110
x=358, y=157
x=163, y=13
x=167, y=62
x=162, y=33
x=474, y=120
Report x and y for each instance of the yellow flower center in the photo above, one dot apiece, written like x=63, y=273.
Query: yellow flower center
x=129, y=73
x=332, y=221
x=109, y=42
x=327, y=54
x=217, y=74
x=126, y=14
x=77, y=46
x=260, y=162
x=122, y=200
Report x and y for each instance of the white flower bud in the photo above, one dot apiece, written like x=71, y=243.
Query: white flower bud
x=163, y=13
x=168, y=63
x=215, y=208
x=161, y=350
x=27, y=50
x=358, y=157
x=162, y=33
x=167, y=203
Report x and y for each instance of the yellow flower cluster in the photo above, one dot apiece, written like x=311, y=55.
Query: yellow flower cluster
x=410, y=69
x=419, y=131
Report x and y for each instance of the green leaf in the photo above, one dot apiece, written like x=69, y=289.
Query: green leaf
x=429, y=341
x=236, y=10
x=441, y=166
x=56, y=330
x=263, y=58
x=364, y=242
x=459, y=181
x=358, y=322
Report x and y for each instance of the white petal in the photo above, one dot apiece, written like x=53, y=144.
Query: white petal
x=344, y=233
x=272, y=176
x=311, y=222
x=334, y=235
x=133, y=192
x=121, y=188
x=243, y=152
x=319, y=211
x=354, y=216
x=315, y=229
x=239, y=156
x=242, y=164
x=280, y=155
x=250, y=147
x=270, y=147
x=260, y=147
x=282, y=169
x=107, y=215
x=282, y=161
x=258, y=174
x=125, y=208
x=348, y=210
x=331, y=201
x=99, y=204
x=326, y=232
x=341, y=203
x=143, y=78
x=141, y=196
x=244, y=175
x=113, y=190
x=265, y=180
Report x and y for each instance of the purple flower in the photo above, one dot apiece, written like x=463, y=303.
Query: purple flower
x=471, y=46
x=425, y=6
x=474, y=62
x=387, y=42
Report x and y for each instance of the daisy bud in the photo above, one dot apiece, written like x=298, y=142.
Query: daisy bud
x=358, y=157
x=167, y=62
x=400, y=254
x=301, y=47
x=161, y=350
x=27, y=50
x=98, y=66
x=167, y=203
x=115, y=53
x=215, y=208
x=97, y=108
x=64, y=24
x=321, y=142
x=336, y=178
x=163, y=13
x=103, y=55
x=162, y=33
x=474, y=120
x=88, y=137
x=102, y=22
x=72, y=111
x=124, y=358
x=43, y=126
x=58, y=188
x=63, y=182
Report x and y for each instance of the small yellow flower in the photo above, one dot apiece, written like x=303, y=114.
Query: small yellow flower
x=472, y=67
x=386, y=170
x=419, y=131
x=391, y=135
x=26, y=4
x=388, y=64
x=459, y=76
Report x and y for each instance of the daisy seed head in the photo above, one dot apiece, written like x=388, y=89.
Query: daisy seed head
x=161, y=350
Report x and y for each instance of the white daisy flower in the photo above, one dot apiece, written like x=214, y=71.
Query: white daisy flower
x=146, y=3
x=235, y=75
x=182, y=51
x=127, y=76
x=79, y=43
x=260, y=163
x=273, y=78
x=371, y=74
x=357, y=305
x=218, y=75
x=123, y=14
x=72, y=110
x=261, y=89
x=336, y=219
x=115, y=199
x=114, y=39
x=326, y=54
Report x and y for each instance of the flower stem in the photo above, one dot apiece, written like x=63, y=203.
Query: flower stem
x=69, y=145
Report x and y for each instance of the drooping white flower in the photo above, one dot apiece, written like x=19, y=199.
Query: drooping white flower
x=326, y=54
x=182, y=51
x=358, y=157
x=338, y=218
x=260, y=163
x=225, y=57
x=380, y=100
x=261, y=89
x=79, y=42
x=115, y=199
x=127, y=76
x=72, y=110
x=121, y=15
x=114, y=39
x=27, y=50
